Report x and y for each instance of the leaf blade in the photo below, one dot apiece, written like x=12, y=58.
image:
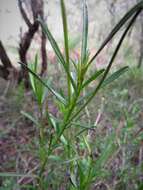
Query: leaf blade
x=114, y=76
x=124, y=19
x=84, y=32
x=109, y=65
x=93, y=77
x=66, y=44
x=56, y=94
x=57, y=51
x=30, y=117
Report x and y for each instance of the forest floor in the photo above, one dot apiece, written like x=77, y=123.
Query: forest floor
x=118, y=103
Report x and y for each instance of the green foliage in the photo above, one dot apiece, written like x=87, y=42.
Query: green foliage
x=86, y=169
x=65, y=133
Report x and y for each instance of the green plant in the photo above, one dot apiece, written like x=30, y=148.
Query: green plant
x=82, y=170
x=67, y=132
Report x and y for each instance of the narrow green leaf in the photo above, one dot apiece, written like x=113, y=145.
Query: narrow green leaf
x=65, y=32
x=125, y=18
x=53, y=42
x=36, y=63
x=110, y=79
x=33, y=67
x=55, y=124
x=55, y=158
x=81, y=174
x=93, y=77
x=82, y=131
x=86, y=96
x=86, y=126
x=74, y=64
x=51, y=122
x=57, y=51
x=65, y=29
x=114, y=76
x=87, y=144
x=109, y=65
x=39, y=90
x=56, y=94
x=73, y=179
x=30, y=117
x=84, y=32
x=63, y=140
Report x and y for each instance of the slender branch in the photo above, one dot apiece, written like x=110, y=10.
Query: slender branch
x=23, y=49
x=23, y=13
x=37, y=8
x=26, y=41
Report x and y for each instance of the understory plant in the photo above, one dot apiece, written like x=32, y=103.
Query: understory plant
x=67, y=132
x=68, y=139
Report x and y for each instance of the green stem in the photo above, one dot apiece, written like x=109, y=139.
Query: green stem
x=65, y=29
x=42, y=146
x=67, y=118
